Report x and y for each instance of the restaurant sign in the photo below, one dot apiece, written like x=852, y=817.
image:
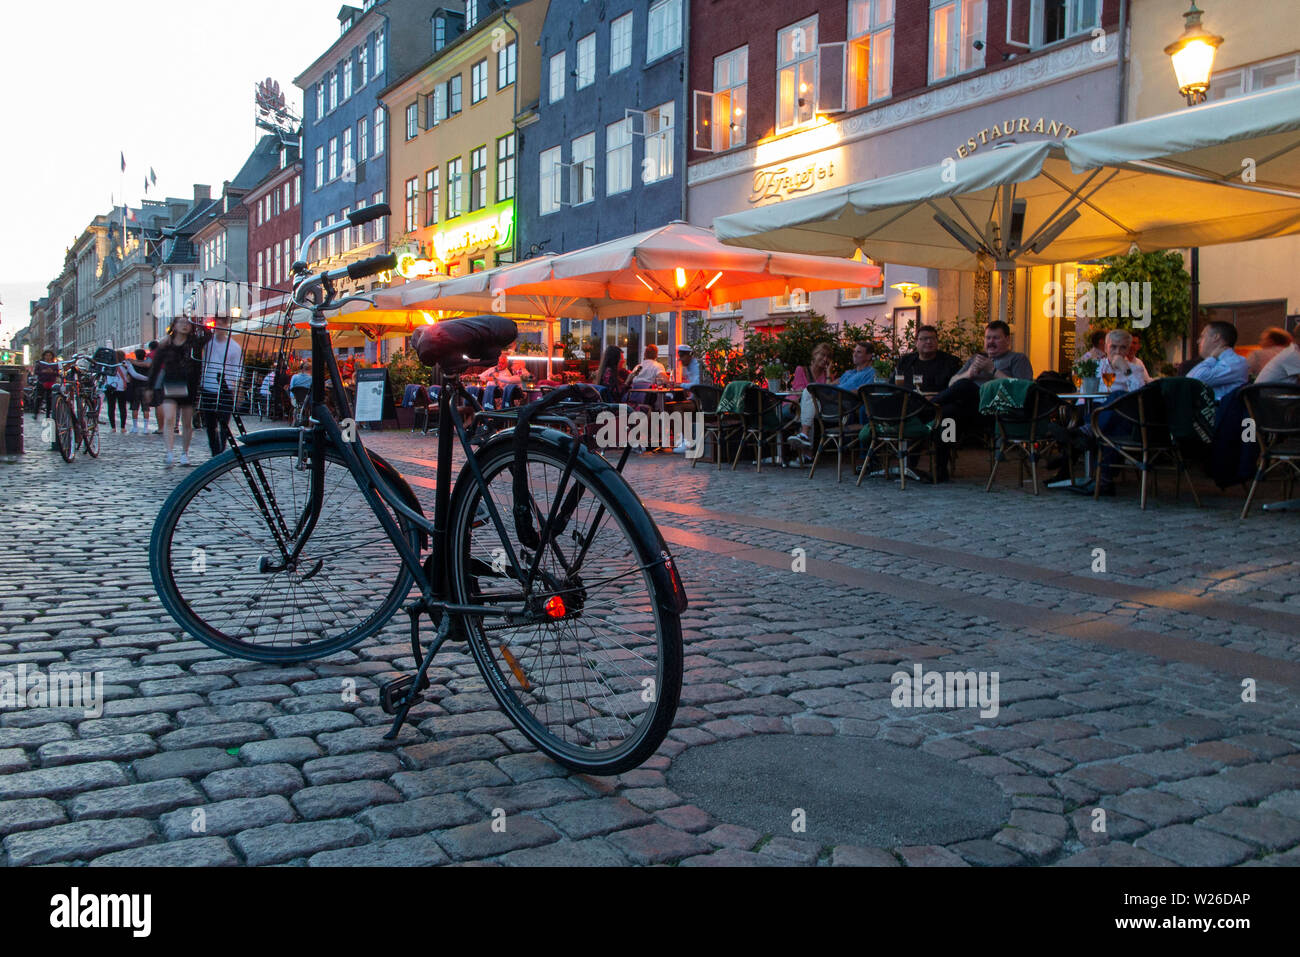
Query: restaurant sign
x=1023, y=124
x=776, y=183
x=490, y=229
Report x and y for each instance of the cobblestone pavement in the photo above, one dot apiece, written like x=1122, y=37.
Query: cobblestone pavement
x=1121, y=690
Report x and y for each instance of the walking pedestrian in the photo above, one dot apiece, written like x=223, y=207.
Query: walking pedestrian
x=47, y=373
x=174, y=378
x=115, y=384
x=138, y=393
x=223, y=369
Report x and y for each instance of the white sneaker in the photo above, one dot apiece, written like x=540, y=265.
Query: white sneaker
x=134, y=430
x=680, y=449
x=169, y=459
x=185, y=459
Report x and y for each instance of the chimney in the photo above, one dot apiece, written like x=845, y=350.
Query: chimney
x=202, y=192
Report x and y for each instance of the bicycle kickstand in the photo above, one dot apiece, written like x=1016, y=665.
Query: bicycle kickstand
x=398, y=696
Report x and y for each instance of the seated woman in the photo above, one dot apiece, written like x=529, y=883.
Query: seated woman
x=612, y=377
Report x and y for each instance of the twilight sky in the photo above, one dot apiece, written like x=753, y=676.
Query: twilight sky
x=167, y=82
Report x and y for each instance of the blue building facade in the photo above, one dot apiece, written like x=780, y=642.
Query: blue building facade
x=606, y=156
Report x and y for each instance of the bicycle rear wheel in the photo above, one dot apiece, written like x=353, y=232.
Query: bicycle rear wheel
x=90, y=428
x=596, y=686
x=65, y=435
x=219, y=570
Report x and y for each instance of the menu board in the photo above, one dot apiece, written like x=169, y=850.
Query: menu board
x=374, y=400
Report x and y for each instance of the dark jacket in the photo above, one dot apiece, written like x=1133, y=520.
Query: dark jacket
x=177, y=363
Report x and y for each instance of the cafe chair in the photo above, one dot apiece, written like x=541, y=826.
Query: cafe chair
x=1153, y=429
x=760, y=423
x=1029, y=421
x=1274, y=407
x=900, y=423
x=425, y=406
x=839, y=413
x=707, y=398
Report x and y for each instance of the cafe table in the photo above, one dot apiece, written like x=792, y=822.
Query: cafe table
x=1088, y=400
x=656, y=396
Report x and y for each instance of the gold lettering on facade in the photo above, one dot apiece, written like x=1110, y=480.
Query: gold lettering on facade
x=1021, y=124
x=781, y=182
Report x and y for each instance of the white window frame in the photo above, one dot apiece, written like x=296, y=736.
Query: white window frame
x=507, y=64
x=363, y=139
x=555, y=88
x=332, y=161
x=411, y=208
x=346, y=69
x=550, y=161
x=585, y=62
x=618, y=157
x=439, y=104
x=363, y=63
x=620, y=43
x=663, y=29
x=866, y=295
x=347, y=148
x=1229, y=84
x=320, y=166
x=582, y=157
x=455, y=187
x=334, y=90
x=432, y=196
x=478, y=188
x=455, y=95
x=412, y=120
x=789, y=302
x=379, y=51
x=478, y=83
x=471, y=15
x=803, y=54
x=659, y=138
x=1073, y=24
x=870, y=51
x=379, y=132
x=506, y=168
x=970, y=18
x=320, y=100
x=728, y=99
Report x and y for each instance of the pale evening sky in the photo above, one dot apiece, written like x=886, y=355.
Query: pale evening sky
x=167, y=82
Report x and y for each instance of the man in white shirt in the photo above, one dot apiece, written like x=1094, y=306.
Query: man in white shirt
x=1283, y=368
x=1130, y=375
x=223, y=366
x=1220, y=367
x=688, y=366
x=651, y=371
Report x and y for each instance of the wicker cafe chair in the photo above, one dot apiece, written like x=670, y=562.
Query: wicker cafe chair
x=1163, y=417
x=425, y=406
x=898, y=420
x=1275, y=409
x=838, y=414
x=707, y=398
x=1028, y=420
x=760, y=422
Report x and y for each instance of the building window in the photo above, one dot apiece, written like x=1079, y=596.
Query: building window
x=345, y=236
x=432, y=193
x=439, y=104
x=620, y=43
x=439, y=32
x=471, y=14
x=506, y=168
x=955, y=25
x=412, y=121
x=275, y=268
x=854, y=297
x=363, y=139
x=557, y=77
x=664, y=29
x=346, y=69
x=347, y=148
x=320, y=100
x=379, y=224
x=586, y=65
x=379, y=52
x=507, y=64
x=478, y=178
x=583, y=187
x=1253, y=79
x=1053, y=20
x=334, y=158
x=379, y=130
x=729, y=104
x=453, y=95
x=287, y=196
x=548, y=181
x=330, y=244
x=658, y=143
x=412, y=204
x=793, y=301
x=796, y=74
x=363, y=63
x=870, y=51
x=334, y=90
x=297, y=189
x=455, y=188
x=478, y=81
x=618, y=157
x=261, y=262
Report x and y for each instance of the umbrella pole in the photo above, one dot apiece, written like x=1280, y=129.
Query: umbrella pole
x=674, y=337
x=550, y=346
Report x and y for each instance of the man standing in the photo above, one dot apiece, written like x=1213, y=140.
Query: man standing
x=223, y=367
x=960, y=401
x=1220, y=367
x=935, y=368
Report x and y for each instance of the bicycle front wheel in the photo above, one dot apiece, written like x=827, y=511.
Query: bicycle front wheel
x=220, y=570
x=90, y=430
x=65, y=434
x=592, y=673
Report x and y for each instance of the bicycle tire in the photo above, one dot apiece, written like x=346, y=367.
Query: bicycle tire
x=65, y=436
x=90, y=430
x=572, y=686
x=227, y=605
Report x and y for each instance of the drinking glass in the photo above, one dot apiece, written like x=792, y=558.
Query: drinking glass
x=1108, y=378
x=917, y=381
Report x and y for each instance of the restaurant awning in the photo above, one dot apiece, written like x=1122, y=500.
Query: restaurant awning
x=1218, y=173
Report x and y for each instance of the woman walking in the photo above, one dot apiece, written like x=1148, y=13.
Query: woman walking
x=47, y=373
x=137, y=389
x=174, y=378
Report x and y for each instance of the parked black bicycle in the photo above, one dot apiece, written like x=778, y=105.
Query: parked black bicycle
x=297, y=543
x=77, y=401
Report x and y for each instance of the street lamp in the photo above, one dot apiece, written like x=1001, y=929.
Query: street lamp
x=1193, y=57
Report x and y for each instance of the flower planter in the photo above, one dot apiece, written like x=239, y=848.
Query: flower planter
x=1091, y=383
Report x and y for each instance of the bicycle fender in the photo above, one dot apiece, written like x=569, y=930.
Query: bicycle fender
x=382, y=466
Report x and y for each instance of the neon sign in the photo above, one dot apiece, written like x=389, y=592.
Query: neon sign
x=489, y=230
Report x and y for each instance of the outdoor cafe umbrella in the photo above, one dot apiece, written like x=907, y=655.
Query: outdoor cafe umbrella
x=677, y=266
x=1170, y=181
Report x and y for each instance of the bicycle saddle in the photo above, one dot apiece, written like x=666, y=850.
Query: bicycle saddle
x=455, y=344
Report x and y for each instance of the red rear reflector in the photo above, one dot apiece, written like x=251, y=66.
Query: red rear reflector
x=554, y=606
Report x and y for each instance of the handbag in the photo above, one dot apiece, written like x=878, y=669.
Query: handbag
x=175, y=388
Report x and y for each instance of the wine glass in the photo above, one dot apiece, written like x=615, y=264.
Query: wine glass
x=1109, y=379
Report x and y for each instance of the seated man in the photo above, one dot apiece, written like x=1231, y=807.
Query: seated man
x=688, y=367
x=1283, y=368
x=496, y=382
x=960, y=401
x=861, y=374
x=935, y=368
x=1221, y=368
x=1130, y=375
x=650, y=372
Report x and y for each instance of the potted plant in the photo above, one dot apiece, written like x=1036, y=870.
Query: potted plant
x=884, y=370
x=773, y=372
x=1085, y=373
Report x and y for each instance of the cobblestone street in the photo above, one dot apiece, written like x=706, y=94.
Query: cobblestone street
x=1120, y=681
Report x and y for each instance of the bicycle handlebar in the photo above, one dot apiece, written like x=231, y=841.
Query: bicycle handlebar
x=367, y=213
x=368, y=267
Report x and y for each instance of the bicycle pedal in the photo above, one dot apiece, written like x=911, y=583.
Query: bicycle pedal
x=394, y=692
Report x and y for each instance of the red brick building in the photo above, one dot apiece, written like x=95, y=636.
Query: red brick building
x=274, y=228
